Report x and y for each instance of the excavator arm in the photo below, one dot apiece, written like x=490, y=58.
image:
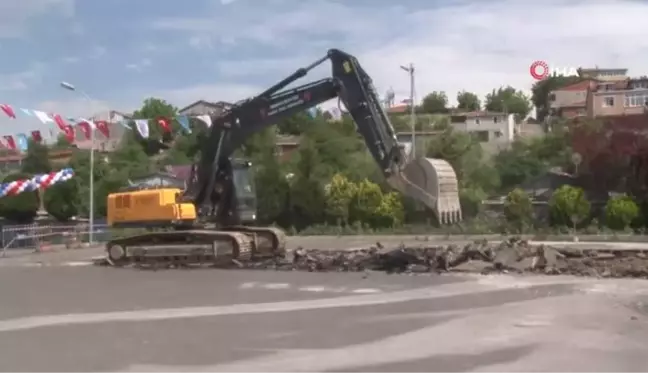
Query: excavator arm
x=431, y=181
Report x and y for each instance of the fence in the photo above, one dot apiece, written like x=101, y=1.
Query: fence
x=37, y=236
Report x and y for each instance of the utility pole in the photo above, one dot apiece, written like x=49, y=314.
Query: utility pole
x=410, y=70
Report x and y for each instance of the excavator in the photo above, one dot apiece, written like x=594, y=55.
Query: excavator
x=212, y=219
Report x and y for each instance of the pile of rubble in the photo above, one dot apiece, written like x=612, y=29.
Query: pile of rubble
x=512, y=256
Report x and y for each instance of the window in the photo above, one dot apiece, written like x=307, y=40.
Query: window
x=495, y=119
x=481, y=136
x=608, y=101
x=552, y=97
x=635, y=99
x=477, y=121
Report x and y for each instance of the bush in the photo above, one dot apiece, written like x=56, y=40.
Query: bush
x=620, y=211
x=568, y=206
x=518, y=209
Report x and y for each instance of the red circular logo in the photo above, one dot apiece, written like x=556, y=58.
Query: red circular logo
x=539, y=70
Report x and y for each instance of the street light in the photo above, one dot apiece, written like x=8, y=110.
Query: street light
x=410, y=70
x=71, y=87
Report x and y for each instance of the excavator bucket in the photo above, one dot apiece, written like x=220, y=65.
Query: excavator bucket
x=432, y=182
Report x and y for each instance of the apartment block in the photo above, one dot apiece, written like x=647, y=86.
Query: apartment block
x=603, y=93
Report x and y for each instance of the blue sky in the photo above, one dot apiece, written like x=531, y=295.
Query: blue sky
x=123, y=51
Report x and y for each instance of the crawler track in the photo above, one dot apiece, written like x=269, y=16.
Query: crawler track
x=187, y=248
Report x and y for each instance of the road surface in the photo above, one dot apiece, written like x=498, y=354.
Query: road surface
x=58, y=316
x=101, y=319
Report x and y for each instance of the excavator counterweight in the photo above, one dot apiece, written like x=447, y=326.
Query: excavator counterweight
x=212, y=219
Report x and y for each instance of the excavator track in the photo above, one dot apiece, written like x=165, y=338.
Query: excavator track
x=268, y=241
x=187, y=248
x=181, y=248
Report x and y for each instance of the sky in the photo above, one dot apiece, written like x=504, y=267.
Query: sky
x=121, y=52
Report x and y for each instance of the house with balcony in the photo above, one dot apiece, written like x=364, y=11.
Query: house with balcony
x=614, y=98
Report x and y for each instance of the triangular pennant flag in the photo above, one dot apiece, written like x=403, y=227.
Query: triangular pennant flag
x=27, y=112
x=21, y=142
x=69, y=133
x=36, y=136
x=142, y=127
x=11, y=144
x=184, y=122
x=164, y=123
x=43, y=117
x=206, y=119
x=8, y=110
x=102, y=126
x=85, y=128
x=59, y=121
x=125, y=123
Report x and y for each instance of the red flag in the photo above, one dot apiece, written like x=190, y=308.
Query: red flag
x=164, y=123
x=36, y=136
x=69, y=133
x=8, y=110
x=85, y=127
x=102, y=126
x=11, y=144
x=59, y=121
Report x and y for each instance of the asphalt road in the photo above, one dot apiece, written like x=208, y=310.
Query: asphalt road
x=55, y=317
x=102, y=319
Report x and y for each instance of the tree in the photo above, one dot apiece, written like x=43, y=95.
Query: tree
x=307, y=198
x=62, y=201
x=365, y=203
x=508, y=100
x=272, y=188
x=390, y=213
x=339, y=193
x=154, y=109
x=568, y=204
x=518, y=209
x=620, y=211
x=468, y=101
x=22, y=207
x=435, y=102
x=36, y=160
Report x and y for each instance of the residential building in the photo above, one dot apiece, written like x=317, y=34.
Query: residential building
x=603, y=74
x=116, y=129
x=624, y=97
x=488, y=127
x=202, y=107
x=571, y=101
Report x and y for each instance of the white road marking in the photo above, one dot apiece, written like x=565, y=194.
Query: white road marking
x=314, y=289
x=447, y=290
x=276, y=286
x=77, y=264
x=367, y=291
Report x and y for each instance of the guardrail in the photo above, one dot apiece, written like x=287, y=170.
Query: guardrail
x=40, y=237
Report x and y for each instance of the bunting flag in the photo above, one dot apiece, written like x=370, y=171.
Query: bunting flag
x=67, y=125
x=41, y=181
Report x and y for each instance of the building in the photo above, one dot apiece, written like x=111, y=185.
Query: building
x=603, y=93
x=571, y=101
x=203, y=107
x=116, y=128
x=488, y=127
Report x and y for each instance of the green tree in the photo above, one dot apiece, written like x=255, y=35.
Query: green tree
x=339, y=193
x=435, y=102
x=620, y=211
x=62, y=201
x=568, y=205
x=468, y=101
x=153, y=109
x=508, y=100
x=307, y=198
x=518, y=209
x=391, y=212
x=36, y=160
x=20, y=208
x=365, y=203
x=272, y=189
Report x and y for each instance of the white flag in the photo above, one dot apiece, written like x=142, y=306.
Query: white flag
x=206, y=119
x=43, y=117
x=142, y=127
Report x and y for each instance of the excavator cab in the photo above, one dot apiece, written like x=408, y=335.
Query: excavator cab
x=245, y=190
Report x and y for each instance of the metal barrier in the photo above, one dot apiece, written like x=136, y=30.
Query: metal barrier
x=37, y=237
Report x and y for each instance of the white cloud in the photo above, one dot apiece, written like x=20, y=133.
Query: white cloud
x=15, y=15
x=139, y=66
x=475, y=46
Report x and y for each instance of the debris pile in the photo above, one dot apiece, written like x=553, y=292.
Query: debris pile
x=510, y=256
